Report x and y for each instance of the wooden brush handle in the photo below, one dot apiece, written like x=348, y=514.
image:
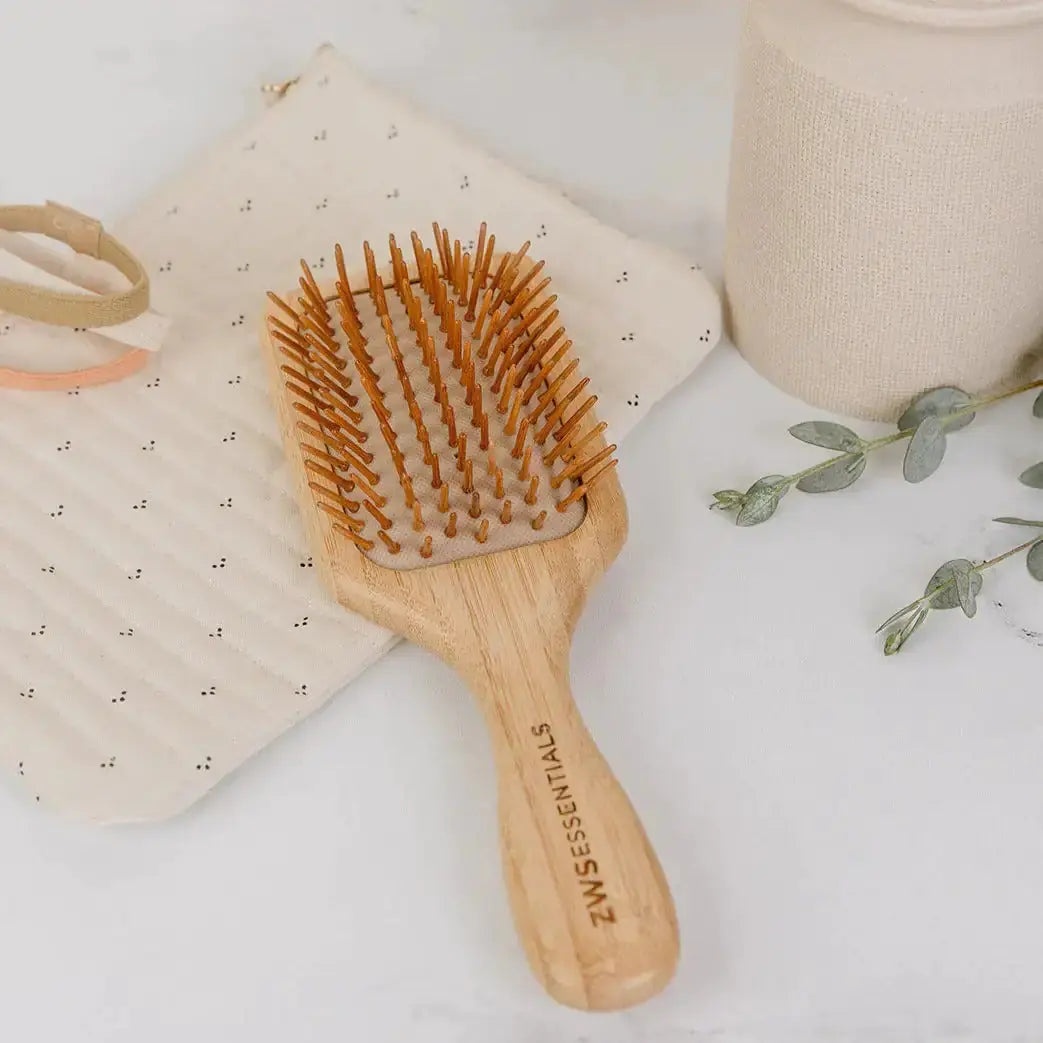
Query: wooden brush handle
x=589, y=898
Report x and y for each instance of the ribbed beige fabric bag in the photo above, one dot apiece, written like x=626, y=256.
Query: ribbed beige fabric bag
x=885, y=216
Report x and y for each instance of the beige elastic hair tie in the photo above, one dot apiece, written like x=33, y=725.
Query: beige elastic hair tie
x=86, y=236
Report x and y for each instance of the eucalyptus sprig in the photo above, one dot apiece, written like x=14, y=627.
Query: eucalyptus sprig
x=956, y=584
x=1033, y=475
x=930, y=418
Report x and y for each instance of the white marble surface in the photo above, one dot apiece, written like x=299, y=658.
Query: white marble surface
x=855, y=844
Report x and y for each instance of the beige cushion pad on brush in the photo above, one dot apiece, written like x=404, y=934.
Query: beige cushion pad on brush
x=160, y=619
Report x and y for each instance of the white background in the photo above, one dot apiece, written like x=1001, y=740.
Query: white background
x=855, y=844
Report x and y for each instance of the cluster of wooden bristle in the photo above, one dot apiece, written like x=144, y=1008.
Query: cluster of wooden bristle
x=488, y=397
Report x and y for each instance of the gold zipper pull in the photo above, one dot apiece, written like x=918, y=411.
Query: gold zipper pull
x=278, y=89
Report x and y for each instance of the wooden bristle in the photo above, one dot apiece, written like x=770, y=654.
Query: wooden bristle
x=569, y=426
x=315, y=337
x=559, y=411
x=483, y=531
x=505, y=512
x=450, y=526
x=537, y=381
x=313, y=295
x=462, y=362
x=526, y=333
x=378, y=515
x=443, y=498
x=440, y=247
x=534, y=486
x=392, y=546
x=418, y=517
x=376, y=284
x=418, y=256
x=280, y=303
x=430, y=270
x=526, y=465
x=330, y=475
x=369, y=492
x=481, y=266
x=360, y=541
x=505, y=395
x=479, y=322
x=452, y=331
x=336, y=512
x=450, y=423
x=468, y=483
x=577, y=467
x=505, y=276
x=426, y=548
x=340, y=460
x=524, y=295
x=565, y=447
x=552, y=390
x=399, y=274
x=448, y=252
x=475, y=510
x=309, y=394
x=582, y=490
x=343, y=450
x=590, y=480
x=291, y=343
x=537, y=522
x=335, y=497
x=344, y=293
x=337, y=383
x=352, y=435
x=519, y=442
x=494, y=285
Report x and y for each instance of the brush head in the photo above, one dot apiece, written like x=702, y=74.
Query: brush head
x=436, y=407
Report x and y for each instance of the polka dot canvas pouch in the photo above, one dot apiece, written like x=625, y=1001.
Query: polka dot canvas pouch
x=162, y=620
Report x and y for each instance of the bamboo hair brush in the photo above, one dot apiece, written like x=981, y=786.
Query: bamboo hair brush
x=459, y=491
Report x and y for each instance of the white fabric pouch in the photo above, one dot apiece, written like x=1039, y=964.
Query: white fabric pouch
x=161, y=619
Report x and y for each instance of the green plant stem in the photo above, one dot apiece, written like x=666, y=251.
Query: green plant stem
x=1002, y=395
x=1006, y=554
x=878, y=443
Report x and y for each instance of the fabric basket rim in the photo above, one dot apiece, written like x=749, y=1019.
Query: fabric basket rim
x=954, y=14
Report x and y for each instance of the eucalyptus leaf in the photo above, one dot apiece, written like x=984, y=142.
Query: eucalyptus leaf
x=964, y=592
x=726, y=499
x=925, y=450
x=897, y=638
x=827, y=434
x=1020, y=521
x=938, y=402
x=1032, y=476
x=1034, y=561
x=1037, y=406
x=942, y=587
x=891, y=620
x=761, y=500
x=846, y=471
